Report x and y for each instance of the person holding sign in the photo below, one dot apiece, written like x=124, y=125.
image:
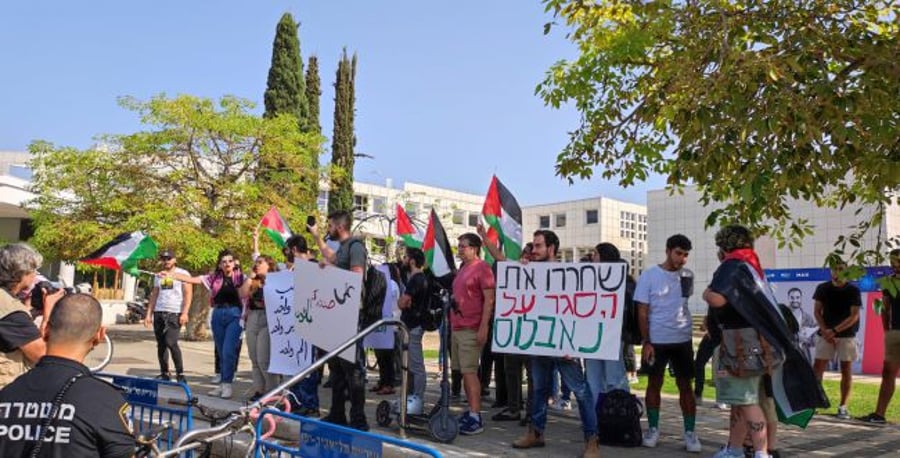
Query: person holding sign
x=348, y=379
x=473, y=293
x=545, y=245
x=665, y=321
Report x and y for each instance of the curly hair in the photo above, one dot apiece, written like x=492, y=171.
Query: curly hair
x=16, y=261
x=733, y=237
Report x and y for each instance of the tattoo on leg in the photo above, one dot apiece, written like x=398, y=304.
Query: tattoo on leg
x=756, y=426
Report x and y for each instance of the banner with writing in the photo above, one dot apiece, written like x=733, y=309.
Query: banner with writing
x=326, y=305
x=289, y=353
x=560, y=309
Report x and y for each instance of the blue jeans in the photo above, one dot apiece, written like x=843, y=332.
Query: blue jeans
x=604, y=376
x=226, y=328
x=571, y=373
x=563, y=391
x=307, y=391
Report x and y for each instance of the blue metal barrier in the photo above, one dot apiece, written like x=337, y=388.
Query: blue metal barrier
x=327, y=440
x=147, y=412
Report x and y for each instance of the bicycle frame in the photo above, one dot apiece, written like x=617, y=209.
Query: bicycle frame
x=196, y=438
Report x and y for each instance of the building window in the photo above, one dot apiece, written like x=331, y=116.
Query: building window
x=560, y=220
x=473, y=219
x=591, y=217
x=379, y=205
x=544, y=222
x=459, y=217
x=360, y=203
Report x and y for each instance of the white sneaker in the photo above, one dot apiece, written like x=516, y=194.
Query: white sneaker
x=651, y=437
x=722, y=406
x=217, y=391
x=691, y=443
x=226, y=391
x=843, y=413
x=216, y=379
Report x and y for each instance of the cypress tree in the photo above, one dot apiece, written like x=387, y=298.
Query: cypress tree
x=286, y=87
x=343, y=139
x=313, y=96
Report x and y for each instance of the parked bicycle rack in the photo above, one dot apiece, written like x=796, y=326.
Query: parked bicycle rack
x=146, y=411
x=319, y=438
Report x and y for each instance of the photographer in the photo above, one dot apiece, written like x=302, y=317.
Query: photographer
x=20, y=341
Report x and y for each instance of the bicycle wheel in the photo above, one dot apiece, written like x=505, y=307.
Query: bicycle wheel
x=100, y=356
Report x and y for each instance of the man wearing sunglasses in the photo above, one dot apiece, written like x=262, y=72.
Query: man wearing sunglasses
x=170, y=301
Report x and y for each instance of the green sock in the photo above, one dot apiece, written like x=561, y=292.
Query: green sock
x=653, y=418
x=689, y=422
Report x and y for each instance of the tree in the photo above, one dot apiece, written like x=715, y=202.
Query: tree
x=755, y=102
x=343, y=139
x=189, y=181
x=286, y=87
x=313, y=97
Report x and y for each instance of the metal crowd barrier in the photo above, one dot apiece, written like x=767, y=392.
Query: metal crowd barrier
x=321, y=439
x=143, y=394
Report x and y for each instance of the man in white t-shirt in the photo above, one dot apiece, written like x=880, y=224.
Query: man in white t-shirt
x=661, y=295
x=168, y=309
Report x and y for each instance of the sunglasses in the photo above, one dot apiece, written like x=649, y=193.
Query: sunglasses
x=165, y=258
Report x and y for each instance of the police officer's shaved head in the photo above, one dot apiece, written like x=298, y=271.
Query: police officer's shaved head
x=75, y=319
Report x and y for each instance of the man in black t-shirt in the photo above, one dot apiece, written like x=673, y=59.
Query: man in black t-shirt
x=837, y=313
x=90, y=419
x=413, y=304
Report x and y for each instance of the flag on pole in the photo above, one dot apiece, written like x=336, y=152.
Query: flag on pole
x=410, y=233
x=276, y=227
x=503, y=215
x=123, y=252
x=438, y=253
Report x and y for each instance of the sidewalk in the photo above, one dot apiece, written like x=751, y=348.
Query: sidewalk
x=135, y=354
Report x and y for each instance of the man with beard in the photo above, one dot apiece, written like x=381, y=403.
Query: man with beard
x=807, y=322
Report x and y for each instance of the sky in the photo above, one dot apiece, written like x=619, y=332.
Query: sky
x=444, y=90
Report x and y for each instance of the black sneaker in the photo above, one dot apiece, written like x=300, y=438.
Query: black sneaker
x=874, y=419
x=334, y=419
x=180, y=379
x=506, y=415
x=165, y=377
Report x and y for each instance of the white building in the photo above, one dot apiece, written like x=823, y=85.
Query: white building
x=14, y=180
x=582, y=224
x=683, y=214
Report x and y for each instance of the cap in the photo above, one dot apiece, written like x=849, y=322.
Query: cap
x=167, y=253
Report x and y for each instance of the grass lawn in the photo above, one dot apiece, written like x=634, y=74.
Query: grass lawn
x=862, y=397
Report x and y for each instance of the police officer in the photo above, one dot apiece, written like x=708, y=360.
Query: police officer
x=59, y=401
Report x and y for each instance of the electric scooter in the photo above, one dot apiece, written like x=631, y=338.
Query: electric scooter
x=439, y=422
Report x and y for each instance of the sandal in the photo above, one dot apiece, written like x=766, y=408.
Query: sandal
x=386, y=390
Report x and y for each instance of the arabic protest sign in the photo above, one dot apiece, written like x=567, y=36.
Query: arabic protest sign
x=383, y=337
x=326, y=305
x=289, y=353
x=560, y=309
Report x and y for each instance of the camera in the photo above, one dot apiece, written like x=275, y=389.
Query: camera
x=45, y=287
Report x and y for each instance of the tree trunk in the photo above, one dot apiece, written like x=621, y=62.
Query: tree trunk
x=198, y=317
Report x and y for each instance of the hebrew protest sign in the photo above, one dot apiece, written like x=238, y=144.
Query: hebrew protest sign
x=560, y=309
x=326, y=305
x=289, y=353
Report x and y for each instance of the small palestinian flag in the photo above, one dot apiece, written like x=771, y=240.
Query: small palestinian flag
x=412, y=236
x=503, y=214
x=276, y=227
x=438, y=253
x=123, y=252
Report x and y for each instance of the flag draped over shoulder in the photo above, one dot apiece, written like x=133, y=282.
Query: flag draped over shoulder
x=411, y=234
x=504, y=216
x=276, y=227
x=795, y=389
x=437, y=248
x=123, y=252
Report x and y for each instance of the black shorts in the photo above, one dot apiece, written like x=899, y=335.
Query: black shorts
x=680, y=355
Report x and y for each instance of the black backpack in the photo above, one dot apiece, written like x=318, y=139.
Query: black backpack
x=432, y=315
x=374, y=290
x=619, y=419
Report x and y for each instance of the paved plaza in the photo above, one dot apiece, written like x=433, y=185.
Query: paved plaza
x=135, y=354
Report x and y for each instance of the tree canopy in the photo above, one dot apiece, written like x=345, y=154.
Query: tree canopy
x=189, y=180
x=755, y=102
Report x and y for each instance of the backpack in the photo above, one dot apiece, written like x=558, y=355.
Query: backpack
x=374, y=290
x=619, y=419
x=433, y=314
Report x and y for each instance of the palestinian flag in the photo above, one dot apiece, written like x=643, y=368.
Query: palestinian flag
x=123, y=252
x=503, y=214
x=276, y=227
x=438, y=254
x=412, y=236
